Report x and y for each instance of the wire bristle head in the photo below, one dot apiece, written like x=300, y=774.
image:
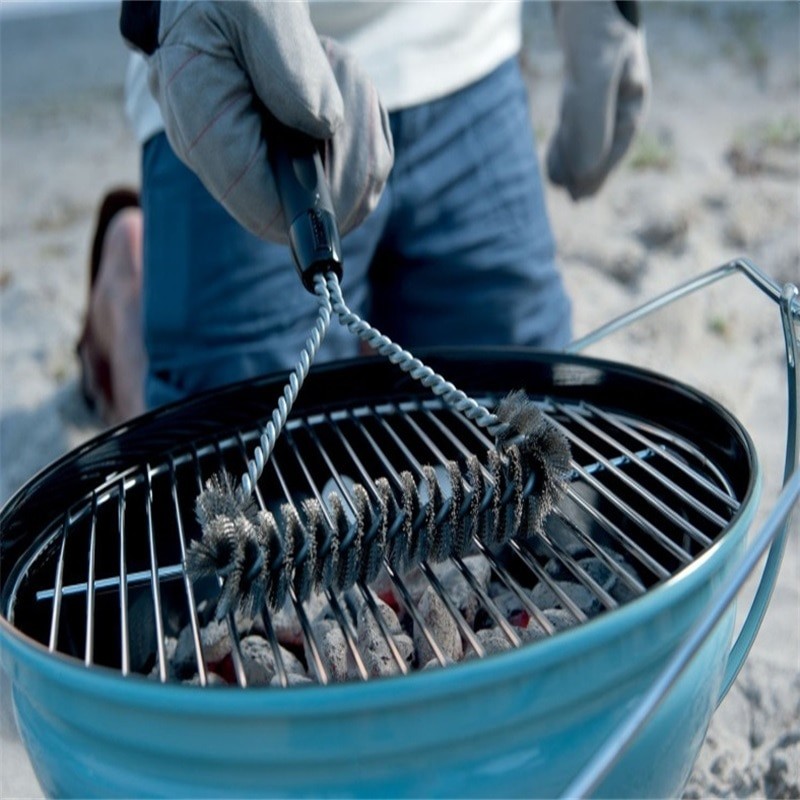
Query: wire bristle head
x=305, y=576
x=213, y=554
x=543, y=450
x=219, y=499
x=522, y=416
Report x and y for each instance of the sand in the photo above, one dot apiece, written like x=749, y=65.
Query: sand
x=714, y=175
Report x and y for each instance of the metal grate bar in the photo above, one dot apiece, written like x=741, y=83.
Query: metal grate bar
x=194, y=622
x=614, y=532
x=346, y=495
x=389, y=468
x=692, y=453
x=530, y=562
x=230, y=618
x=369, y=599
x=266, y=617
x=583, y=577
x=631, y=548
x=463, y=626
x=350, y=636
x=269, y=630
x=417, y=467
x=315, y=660
x=724, y=496
x=309, y=636
x=646, y=495
x=517, y=590
x=90, y=599
x=488, y=604
x=554, y=550
x=57, y=593
x=411, y=608
x=632, y=514
x=124, y=625
x=630, y=498
x=236, y=650
x=163, y=673
x=659, y=536
x=364, y=477
x=106, y=584
x=648, y=468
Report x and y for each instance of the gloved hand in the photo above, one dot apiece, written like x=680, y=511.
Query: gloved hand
x=605, y=94
x=212, y=63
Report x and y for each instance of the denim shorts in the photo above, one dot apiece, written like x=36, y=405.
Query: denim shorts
x=458, y=252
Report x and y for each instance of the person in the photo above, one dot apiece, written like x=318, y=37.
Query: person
x=429, y=149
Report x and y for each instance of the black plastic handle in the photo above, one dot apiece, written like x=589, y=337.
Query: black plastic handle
x=296, y=162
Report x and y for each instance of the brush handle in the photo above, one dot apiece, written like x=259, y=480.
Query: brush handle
x=305, y=197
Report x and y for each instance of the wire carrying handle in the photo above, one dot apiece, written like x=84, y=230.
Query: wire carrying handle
x=769, y=540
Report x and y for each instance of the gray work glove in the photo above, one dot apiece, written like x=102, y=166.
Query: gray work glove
x=607, y=85
x=214, y=59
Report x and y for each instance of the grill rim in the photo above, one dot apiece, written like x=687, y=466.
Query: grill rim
x=562, y=369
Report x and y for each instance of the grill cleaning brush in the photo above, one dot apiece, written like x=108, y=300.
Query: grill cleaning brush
x=259, y=556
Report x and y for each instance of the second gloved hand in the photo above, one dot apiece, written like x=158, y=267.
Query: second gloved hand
x=605, y=94
x=216, y=63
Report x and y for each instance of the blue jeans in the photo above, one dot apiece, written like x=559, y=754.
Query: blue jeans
x=458, y=252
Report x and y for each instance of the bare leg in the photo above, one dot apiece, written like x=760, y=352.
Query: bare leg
x=112, y=349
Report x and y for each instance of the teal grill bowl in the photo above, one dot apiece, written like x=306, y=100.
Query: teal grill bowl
x=517, y=724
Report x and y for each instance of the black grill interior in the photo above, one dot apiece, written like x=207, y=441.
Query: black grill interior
x=92, y=549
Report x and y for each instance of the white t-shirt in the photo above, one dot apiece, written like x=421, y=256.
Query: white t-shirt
x=414, y=51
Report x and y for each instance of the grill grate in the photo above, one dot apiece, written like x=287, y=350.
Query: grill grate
x=107, y=584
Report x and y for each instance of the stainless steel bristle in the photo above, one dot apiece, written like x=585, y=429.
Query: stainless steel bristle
x=305, y=562
x=543, y=452
x=258, y=556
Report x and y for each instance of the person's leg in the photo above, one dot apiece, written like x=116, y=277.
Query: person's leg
x=111, y=349
x=220, y=305
x=469, y=255
x=117, y=303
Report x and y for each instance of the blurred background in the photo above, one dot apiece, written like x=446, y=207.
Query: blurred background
x=715, y=174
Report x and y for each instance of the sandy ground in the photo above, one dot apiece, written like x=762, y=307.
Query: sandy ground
x=715, y=175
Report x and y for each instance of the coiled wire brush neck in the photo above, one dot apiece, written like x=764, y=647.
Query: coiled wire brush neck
x=259, y=556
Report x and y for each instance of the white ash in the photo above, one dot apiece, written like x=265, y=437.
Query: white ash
x=212, y=679
x=170, y=646
x=378, y=657
x=454, y=584
x=215, y=639
x=543, y=596
x=292, y=679
x=286, y=623
x=560, y=619
x=534, y=631
x=258, y=661
x=534, y=613
x=493, y=640
x=620, y=589
x=608, y=578
x=442, y=627
x=333, y=650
